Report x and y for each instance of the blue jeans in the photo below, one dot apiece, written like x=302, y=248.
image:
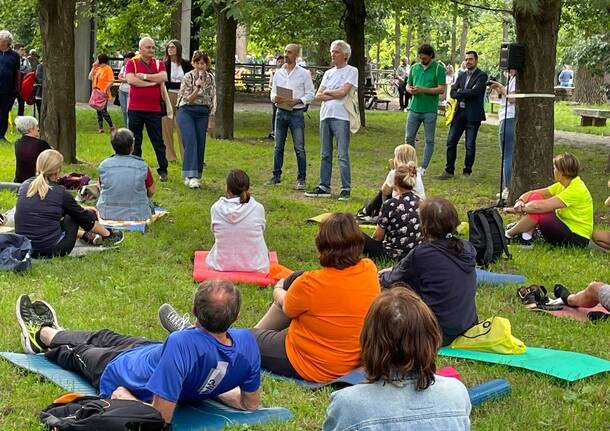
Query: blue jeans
x=123, y=101
x=295, y=121
x=193, y=124
x=459, y=125
x=414, y=119
x=506, y=133
x=339, y=129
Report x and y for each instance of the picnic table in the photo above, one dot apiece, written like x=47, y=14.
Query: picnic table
x=592, y=116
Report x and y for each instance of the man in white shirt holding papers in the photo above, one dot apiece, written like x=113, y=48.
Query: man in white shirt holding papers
x=291, y=90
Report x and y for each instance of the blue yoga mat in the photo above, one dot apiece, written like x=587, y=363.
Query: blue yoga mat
x=494, y=278
x=478, y=394
x=207, y=415
x=565, y=365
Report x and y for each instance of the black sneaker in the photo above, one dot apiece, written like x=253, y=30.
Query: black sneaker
x=115, y=238
x=43, y=308
x=317, y=193
x=163, y=177
x=31, y=319
x=444, y=176
x=273, y=181
x=170, y=320
x=92, y=238
x=300, y=185
x=344, y=195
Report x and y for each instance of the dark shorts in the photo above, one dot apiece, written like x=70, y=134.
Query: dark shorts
x=272, y=345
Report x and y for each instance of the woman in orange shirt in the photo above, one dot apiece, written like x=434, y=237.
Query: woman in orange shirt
x=313, y=327
x=102, y=77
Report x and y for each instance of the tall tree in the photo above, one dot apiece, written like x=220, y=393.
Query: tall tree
x=537, y=24
x=226, y=29
x=396, y=39
x=464, y=36
x=58, y=128
x=353, y=22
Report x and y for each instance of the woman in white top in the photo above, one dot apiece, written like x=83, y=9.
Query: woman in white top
x=238, y=223
x=124, y=88
x=507, y=125
x=403, y=154
x=176, y=68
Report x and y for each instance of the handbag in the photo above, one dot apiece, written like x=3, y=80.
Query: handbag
x=492, y=335
x=98, y=99
x=351, y=106
x=116, y=100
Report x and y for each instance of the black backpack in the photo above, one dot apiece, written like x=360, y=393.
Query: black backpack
x=486, y=233
x=88, y=413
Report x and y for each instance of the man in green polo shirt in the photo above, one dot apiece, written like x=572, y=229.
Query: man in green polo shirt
x=426, y=83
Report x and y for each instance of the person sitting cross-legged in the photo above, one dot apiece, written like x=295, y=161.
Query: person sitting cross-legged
x=398, y=228
x=205, y=361
x=441, y=269
x=400, y=340
x=563, y=211
x=601, y=237
x=126, y=182
x=47, y=214
x=27, y=148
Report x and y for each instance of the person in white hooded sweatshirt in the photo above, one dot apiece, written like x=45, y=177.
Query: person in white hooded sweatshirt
x=238, y=223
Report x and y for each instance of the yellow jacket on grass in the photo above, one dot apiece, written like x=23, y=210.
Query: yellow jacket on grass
x=492, y=335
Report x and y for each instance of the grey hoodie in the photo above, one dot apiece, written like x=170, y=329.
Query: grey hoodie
x=445, y=281
x=238, y=229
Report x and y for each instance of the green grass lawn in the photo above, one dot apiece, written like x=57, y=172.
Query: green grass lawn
x=123, y=289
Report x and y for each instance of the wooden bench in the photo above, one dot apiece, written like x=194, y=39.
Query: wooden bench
x=592, y=117
x=252, y=83
x=371, y=100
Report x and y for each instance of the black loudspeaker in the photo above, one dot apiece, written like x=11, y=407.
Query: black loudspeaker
x=512, y=56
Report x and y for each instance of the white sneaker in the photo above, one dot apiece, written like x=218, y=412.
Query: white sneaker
x=194, y=183
x=504, y=194
x=421, y=171
x=187, y=181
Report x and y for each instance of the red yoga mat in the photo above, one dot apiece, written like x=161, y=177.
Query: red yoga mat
x=576, y=313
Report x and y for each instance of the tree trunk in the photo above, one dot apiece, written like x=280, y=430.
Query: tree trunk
x=353, y=24
x=58, y=126
x=322, y=58
x=506, y=22
x=408, y=42
x=396, y=39
x=588, y=87
x=534, y=121
x=176, y=19
x=226, y=29
x=464, y=36
x=196, y=14
x=453, y=38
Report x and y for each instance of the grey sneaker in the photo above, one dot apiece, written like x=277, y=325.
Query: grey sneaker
x=273, y=181
x=344, y=195
x=300, y=185
x=317, y=193
x=31, y=319
x=171, y=320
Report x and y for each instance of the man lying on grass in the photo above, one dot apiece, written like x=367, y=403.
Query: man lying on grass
x=204, y=361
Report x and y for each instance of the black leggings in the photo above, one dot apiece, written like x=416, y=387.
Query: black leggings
x=103, y=115
x=88, y=353
x=373, y=207
x=373, y=248
x=65, y=246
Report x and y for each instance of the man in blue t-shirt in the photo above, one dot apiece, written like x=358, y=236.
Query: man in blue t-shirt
x=208, y=360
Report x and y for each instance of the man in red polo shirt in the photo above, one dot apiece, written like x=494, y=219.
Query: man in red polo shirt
x=145, y=75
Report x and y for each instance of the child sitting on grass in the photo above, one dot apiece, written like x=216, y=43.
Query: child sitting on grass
x=403, y=154
x=238, y=222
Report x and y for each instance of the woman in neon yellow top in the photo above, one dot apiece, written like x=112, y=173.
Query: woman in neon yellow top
x=600, y=237
x=562, y=211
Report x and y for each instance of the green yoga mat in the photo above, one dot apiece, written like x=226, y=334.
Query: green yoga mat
x=570, y=366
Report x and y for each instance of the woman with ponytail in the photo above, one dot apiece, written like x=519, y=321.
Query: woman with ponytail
x=441, y=269
x=238, y=223
x=49, y=216
x=398, y=228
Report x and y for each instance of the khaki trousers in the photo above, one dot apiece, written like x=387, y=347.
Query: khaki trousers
x=168, y=125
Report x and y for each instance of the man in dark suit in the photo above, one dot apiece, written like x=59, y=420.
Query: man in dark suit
x=469, y=91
